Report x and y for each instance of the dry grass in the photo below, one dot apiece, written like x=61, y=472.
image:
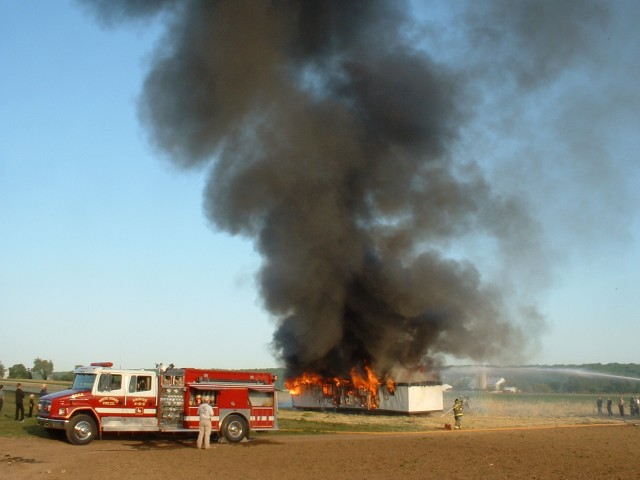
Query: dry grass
x=481, y=415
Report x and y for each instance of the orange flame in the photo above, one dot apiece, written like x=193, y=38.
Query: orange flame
x=294, y=385
x=362, y=386
x=369, y=384
x=391, y=385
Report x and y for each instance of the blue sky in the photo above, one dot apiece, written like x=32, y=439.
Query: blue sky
x=106, y=254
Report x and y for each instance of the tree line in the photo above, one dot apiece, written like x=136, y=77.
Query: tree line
x=41, y=368
x=591, y=378
x=595, y=378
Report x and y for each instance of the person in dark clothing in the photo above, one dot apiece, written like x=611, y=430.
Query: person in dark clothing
x=1, y=397
x=19, y=403
x=610, y=407
x=44, y=391
x=599, y=404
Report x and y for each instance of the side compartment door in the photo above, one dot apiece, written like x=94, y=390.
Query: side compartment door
x=262, y=409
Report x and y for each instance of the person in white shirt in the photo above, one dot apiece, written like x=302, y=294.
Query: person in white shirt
x=205, y=412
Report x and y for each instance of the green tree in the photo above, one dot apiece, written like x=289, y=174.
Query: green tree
x=63, y=376
x=43, y=367
x=18, y=371
x=2, y=369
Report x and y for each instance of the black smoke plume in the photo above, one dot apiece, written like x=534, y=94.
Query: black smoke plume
x=331, y=133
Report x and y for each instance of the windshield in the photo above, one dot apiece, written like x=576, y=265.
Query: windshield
x=83, y=381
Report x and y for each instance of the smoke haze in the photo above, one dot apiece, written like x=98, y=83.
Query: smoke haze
x=332, y=132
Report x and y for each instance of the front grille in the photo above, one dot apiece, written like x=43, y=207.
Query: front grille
x=44, y=407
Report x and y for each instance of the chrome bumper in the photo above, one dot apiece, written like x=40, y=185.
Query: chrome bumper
x=52, y=423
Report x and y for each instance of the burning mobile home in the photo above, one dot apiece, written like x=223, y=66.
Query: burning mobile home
x=413, y=396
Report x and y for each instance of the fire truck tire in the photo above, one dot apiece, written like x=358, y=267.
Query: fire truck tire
x=81, y=430
x=234, y=428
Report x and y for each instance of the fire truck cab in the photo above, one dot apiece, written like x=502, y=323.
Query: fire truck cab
x=103, y=399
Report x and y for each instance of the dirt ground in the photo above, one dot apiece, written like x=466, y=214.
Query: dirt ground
x=533, y=451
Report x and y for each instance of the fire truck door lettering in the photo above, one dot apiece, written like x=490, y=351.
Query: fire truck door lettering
x=140, y=396
x=110, y=394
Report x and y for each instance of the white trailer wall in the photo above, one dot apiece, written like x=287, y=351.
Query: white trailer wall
x=412, y=399
x=407, y=398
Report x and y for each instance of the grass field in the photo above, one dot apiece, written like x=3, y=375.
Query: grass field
x=483, y=411
x=9, y=427
x=527, y=404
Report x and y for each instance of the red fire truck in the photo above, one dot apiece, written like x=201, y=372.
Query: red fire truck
x=104, y=399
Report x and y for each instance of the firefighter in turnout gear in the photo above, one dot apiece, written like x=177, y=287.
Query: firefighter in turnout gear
x=457, y=413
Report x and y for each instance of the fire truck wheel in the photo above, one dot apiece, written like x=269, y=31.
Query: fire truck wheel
x=81, y=430
x=234, y=428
